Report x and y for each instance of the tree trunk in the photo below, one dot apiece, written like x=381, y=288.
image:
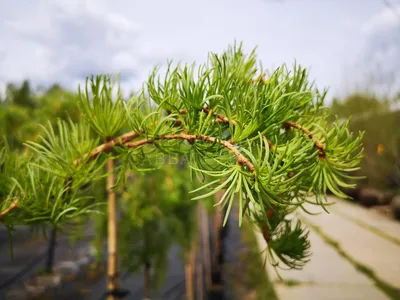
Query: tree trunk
x=217, y=227
x=200, y=285
x=112, y=270
x=146, y=282
x=51, y=251
x=189, y=272
x=206, y=246
x=216, y=237
x=199, y=258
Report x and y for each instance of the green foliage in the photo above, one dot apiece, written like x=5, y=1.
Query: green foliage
x=287, y=240
x=11, y=166
x=291, y=245
x=21, y=96
x=44, y=190
x=104, y=116
x=61, y=152
x=57, y=103
x=19, y=119
x=360, y=105
x=12, y=119
x=267, y=142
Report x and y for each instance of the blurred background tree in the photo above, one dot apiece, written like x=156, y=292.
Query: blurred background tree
x=380, y=119
x=22, y=110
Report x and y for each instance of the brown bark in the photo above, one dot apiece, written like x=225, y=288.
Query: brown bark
x=265, y=232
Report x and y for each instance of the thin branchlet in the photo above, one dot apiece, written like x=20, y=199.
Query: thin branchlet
x=14, y=205
x=320, y=146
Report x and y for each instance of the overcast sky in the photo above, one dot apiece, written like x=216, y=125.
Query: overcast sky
x=48, y=41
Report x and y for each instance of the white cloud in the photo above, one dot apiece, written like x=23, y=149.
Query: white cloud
x=64, y=41
x=378, y=61
x=385, y=19
x=382, y=49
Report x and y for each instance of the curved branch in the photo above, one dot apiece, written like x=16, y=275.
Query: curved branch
x=241, y=159
x=107, y=147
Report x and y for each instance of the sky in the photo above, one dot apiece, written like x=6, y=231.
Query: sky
x=343, y=42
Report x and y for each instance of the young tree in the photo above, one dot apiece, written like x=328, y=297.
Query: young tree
x=154, y=215
x=266, y=142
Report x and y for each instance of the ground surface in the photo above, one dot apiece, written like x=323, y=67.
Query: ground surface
x=72, y=262
x=356, y=255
